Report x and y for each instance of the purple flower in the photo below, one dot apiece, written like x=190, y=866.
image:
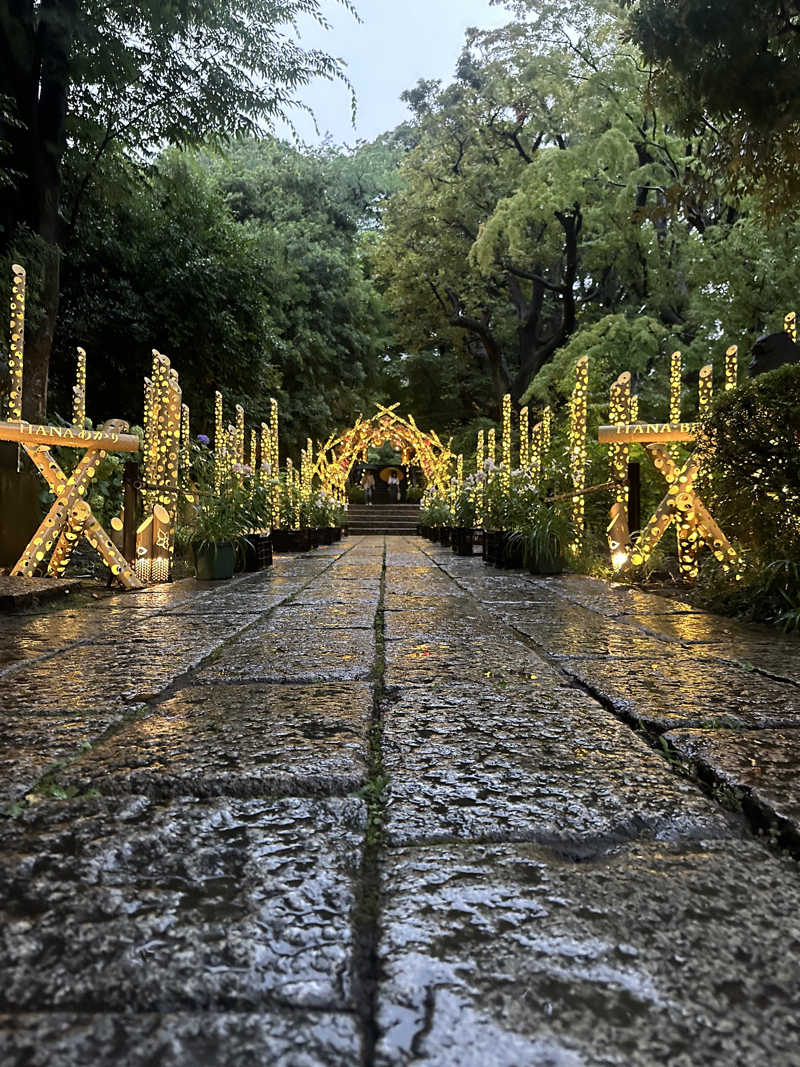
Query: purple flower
x=202, y=439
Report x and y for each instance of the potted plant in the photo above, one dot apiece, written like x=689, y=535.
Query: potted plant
x=543, y=538
x=255, y=549
x=464, y=518
x=435, y=513
x=212, y=530
x=211, y=518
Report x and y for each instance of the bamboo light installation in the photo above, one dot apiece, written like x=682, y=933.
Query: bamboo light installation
x=578, y=415
x=547, y=422
x=675, y=369
x=185, y=451
x=219, y=443
x=681, y=505
x=619, y=412
x=731, y=368
x=336, y=458
x=69, y=517
x=274, y=461
x=479, y=449
x=79, y=392
x=17, y=345
x=505, y=474
x=524, y=439
x=491, y=445
x=705, y=390
x=536, y=453
x=155, y=537
x=790, y=325
x=239, y=436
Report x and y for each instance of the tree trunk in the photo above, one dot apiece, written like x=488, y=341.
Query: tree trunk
x=39, y=341
x=36, y=50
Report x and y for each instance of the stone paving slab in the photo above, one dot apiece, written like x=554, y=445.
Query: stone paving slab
x=544, y=764
x=611, y=598
x=33, y=742
x=323, y=616
x=410, y=661
x=503, y=954
x=595, y=639
x=759, y=766
x=469, y=626
x=333, y=592
x=275, y=653
x=290, y=1038
x=214, y=906
x=244, y=741
x=684, y=690
x=16, y=593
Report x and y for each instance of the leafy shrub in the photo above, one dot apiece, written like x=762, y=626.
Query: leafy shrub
x=752, y=485
x=753, y=480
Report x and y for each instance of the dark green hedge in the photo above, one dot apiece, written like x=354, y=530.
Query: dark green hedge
x=753, y=483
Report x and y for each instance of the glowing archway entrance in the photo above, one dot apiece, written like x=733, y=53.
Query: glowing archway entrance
x=337, y=456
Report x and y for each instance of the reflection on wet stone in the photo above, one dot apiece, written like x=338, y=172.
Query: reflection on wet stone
x=213, y=905
x=537, y=884
x=239, y=741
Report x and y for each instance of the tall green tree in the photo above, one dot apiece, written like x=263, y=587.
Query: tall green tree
x=733, y=65
x=89, y=75
x=245, y=269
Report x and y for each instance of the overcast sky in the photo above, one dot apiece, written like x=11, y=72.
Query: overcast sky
x=398, y=42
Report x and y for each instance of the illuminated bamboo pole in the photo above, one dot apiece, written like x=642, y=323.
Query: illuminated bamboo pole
x=275, y=461
x=731, y=368
x=705, y=390
x=634, y=408
x=579, y=409
x=79, y=391
x=491, y=445
x=675, y=368
x=505, y=475
x=618, y=413
x=675, y=364
x=524, y=439
x=219, y=443
x=790, y=325
x=253, y=451
x=547, y=422
x=265, y=448
x=292, y=525
x=479, y=448
x=536, y=452
x=16, y=356
x=186, y=455
x=507, y=431
x=166, y=511
x=240, y=435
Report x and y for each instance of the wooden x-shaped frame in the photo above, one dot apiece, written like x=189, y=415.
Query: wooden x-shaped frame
x=70, y=516
x=681, y=505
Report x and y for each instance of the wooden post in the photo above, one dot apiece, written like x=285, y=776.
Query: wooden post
x=130, y=503
x=634, y=498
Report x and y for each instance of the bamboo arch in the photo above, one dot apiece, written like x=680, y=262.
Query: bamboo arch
x=336, y=458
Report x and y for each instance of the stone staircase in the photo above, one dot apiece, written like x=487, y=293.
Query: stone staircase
x=382, y=518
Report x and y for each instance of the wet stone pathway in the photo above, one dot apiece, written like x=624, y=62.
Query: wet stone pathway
x=381, y=805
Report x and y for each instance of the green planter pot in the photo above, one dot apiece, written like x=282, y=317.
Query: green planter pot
x=494, y=548
x=214, y=560
x=545, y=564
x=513, y=553
x=461, y=541
x=291, y=540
